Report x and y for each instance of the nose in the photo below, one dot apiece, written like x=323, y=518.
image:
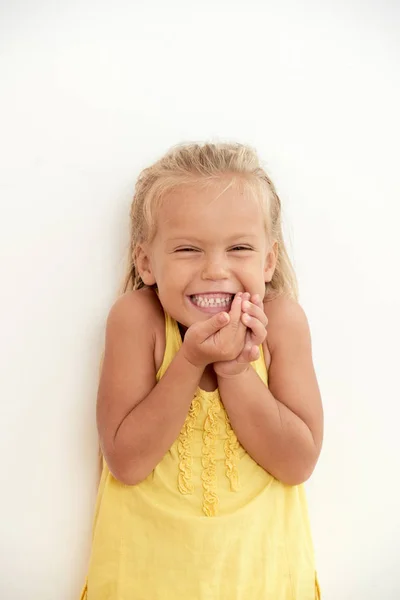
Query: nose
x=215, y=268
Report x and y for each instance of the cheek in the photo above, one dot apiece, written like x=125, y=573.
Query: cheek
x=175, y=274
x=252, y=277
x=253, y=268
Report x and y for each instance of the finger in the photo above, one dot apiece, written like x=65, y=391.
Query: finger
x=212, y=325
x=236, y=309
x=244, y=355
x=258, y=330
x=256, y=299
x=249, y=353
x=254, y=353
x=255, y=311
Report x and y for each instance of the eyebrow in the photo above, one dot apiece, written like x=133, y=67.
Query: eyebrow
x=232, y=238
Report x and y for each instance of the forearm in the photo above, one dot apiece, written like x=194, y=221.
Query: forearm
x=149, y=430
x=275, y=437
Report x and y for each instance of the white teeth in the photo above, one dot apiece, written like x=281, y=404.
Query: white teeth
x=204, y=302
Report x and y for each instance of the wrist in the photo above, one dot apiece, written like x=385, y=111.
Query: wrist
x=190, y=362
x=231, y=372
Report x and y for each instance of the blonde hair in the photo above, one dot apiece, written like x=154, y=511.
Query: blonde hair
x=188, y=164
x=201, y=164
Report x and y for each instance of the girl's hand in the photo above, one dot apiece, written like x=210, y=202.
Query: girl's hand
x=219, y=339
x=255, y=320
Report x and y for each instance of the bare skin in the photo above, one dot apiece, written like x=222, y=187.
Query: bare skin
x=138, y=430
x=138, y=420
x=280, y=426
x=208, y=247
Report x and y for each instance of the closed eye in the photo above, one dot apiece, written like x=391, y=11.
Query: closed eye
x=186, y=250
x=241, y=248
x=233, y=249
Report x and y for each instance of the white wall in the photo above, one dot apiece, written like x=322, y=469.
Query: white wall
x=90, y=94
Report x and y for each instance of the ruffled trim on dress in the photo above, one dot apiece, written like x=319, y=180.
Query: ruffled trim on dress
x=231, y=447
x=185, y=484
x=209, y=475
x=208, y=460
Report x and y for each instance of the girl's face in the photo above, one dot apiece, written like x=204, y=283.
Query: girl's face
x=207, y=247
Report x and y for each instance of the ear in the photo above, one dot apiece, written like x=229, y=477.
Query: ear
x=143, y=264
x=270, y=262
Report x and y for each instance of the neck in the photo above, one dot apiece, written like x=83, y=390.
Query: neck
x=182, y=330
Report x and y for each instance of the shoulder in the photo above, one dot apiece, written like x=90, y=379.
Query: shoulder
x=135, y=304
x=283, y=307
x=137, y=309
x=140, y=313
x=285, y=317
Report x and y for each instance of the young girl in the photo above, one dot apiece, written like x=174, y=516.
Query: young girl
x=208, y=424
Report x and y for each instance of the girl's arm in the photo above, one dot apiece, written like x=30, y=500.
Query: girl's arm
x=280, y=426
x=137, y=419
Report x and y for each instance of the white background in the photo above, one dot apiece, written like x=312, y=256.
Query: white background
x=92, y=93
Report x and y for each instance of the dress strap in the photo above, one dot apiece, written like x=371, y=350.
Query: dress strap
x=173, y=342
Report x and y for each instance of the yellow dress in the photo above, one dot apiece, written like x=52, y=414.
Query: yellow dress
x=208, y=523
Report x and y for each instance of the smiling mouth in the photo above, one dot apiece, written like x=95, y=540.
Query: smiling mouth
x=216, y=301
